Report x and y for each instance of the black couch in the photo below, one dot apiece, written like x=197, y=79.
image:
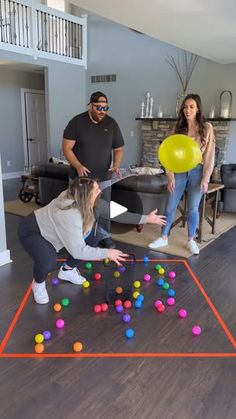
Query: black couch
x=140, y=194
x=228, y=196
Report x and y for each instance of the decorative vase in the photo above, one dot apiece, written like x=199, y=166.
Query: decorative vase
x=225, y=104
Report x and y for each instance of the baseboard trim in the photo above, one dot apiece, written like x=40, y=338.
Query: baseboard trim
x=5, y=257
x=12, y=175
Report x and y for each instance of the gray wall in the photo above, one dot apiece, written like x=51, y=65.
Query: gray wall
x=140, y=64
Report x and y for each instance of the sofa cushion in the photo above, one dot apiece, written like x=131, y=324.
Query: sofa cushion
x=143, y=183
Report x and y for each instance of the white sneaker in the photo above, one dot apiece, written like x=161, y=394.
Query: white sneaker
x=71, y=275
x=158, y=243
x=40, y=292
x=193, y=247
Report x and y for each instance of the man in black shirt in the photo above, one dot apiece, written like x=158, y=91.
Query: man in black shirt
x=93, y=144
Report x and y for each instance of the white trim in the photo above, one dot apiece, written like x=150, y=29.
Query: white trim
x=5, y=257
x=13, y=175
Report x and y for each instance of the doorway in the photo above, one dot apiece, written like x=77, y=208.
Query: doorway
x=34, y=127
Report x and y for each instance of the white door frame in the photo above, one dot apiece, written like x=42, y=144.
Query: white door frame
x=23, y=114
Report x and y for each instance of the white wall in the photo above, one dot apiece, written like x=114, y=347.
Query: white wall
x=4, y=253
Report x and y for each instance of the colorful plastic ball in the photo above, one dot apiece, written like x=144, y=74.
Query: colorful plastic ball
x=39, y=348
x=129, y=333
x=118, y=302
x=196, y=330
x=55, y=281
x=161, y=271
x=136, y=294
x=182, y=313
x=86, y=284
x=60, y=324
x=47, y=335
x=77, y=347
x=119, y=309
x=160, y=308
x=116, y=274
x=160, y=282
x=138, y=303
x=121, y=269
x=165, y=286
x=171, y=292
x=147, y=277
x=97, y=308
x=126, y=318
x=39, y=338
x=104, y=306
x=137, y=284
x=57, y=307
x=172, y=275
x=170, y=301
x=97, y=276
x=157, y=302
x=127, y=304
x=157, y=267
x=88, y=265
x=119, y=290
x=106, y=261
x=65, y=302
x=140, y=297
x=146, y=259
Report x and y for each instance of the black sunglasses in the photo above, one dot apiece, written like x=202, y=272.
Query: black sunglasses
x=101, y=108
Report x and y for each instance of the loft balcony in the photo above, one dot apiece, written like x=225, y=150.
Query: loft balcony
x=39, y=31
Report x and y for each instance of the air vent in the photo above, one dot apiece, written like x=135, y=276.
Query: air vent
x=104, y=78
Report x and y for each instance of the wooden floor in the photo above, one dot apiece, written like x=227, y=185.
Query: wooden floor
x=128, y=387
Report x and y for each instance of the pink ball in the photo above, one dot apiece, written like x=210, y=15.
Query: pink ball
x=118, y=302
x=147, y=277
x=157, y=302
x=127, y=304
x=172, y=275
x=104, y=306
x=160, y=308
x=97, y=308
x=182, y=313
x=60, y=324
x=170, y=301
x=97, y=276
x=196, y=330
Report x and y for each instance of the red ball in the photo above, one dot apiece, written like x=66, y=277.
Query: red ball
x=104, y=306
x=160, y=308
x=97, y=276
x=97, y=308
x=127, y=304
x=118, y=302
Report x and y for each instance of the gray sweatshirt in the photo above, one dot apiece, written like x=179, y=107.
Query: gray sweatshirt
x=64, y=228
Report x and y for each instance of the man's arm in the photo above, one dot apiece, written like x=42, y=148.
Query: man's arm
x=67, y=148
x=117, y=158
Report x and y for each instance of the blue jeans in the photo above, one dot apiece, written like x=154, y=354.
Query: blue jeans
x=190, y=181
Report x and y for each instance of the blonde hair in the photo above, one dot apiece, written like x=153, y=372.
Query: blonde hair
x=80, y=191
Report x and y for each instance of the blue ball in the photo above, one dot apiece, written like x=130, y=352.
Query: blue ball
x=129, y=333
x=140, y=297
x=146, y=259
x=138, y=304
x=171, y=292
x=160, y=282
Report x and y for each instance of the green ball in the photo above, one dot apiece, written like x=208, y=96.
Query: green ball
x=165, y=286
x=157, y=267
x=65, y=302
x=88, y=265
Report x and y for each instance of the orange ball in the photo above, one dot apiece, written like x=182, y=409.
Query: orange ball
x=57, y=307
x=39, y=348
x=77, y=347
x=119, y=290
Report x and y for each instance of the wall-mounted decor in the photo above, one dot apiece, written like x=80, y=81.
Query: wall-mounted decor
x=226, y=104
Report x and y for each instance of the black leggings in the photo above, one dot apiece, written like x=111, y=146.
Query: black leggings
x=43, y=253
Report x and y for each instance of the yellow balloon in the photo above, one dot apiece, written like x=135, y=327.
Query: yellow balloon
x=179, y=153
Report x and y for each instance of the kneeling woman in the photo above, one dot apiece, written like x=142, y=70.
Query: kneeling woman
x=63, y=223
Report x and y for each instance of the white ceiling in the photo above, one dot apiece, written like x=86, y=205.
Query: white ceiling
x=204, y=27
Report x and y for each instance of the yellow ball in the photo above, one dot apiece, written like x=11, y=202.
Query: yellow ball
x=116, y=274
x=161, y=271
x=39, y=338
x=86, y=284
x=136, y=294
x=137, y=284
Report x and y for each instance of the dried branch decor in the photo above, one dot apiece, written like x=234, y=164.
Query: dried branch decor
x=183, y=65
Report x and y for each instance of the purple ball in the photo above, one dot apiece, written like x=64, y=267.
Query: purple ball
x=119, y=308
x=126, y=318
x=121, y=269
x=55, y=281
x=47, y=334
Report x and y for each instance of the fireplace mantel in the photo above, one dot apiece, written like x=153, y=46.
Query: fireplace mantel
x=175, y=119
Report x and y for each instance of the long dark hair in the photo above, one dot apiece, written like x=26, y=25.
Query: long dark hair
x=181, y=126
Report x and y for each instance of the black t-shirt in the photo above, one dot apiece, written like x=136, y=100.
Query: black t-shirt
x=94, y=143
